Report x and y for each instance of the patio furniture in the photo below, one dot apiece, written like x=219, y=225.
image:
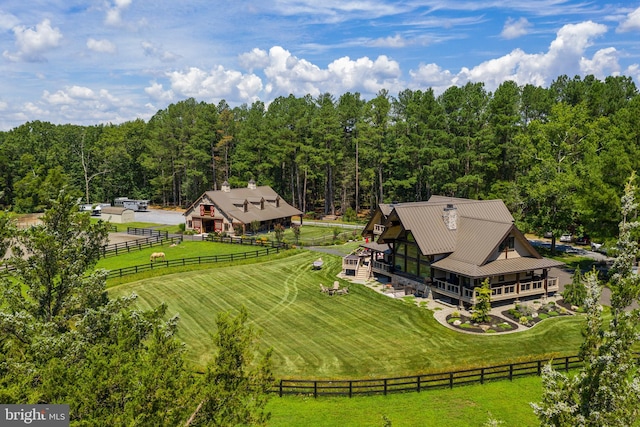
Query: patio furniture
x=317, y=264
x=324, y=289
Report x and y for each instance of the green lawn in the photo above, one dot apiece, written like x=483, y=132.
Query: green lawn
x=360, y=335
x=186, y=249
x=467, y=406
x=315, y=235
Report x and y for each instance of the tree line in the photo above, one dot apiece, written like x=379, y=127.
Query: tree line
x=557, y=156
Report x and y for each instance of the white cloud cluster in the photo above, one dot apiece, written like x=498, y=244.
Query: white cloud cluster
x=114, y=12
x=208, y=85
x=284, y=74
x=101, y=46
x=154, y=51
x=631, y=23
x=7, y=21
x=515, y=28
x=566, y=55
x=33, y=43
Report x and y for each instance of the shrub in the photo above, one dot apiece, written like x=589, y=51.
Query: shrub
x=466, y=326
x=524, y=321
x=504, y=326
x=451, y=320
x=553, y=313
x=455, y=314
x=543, y=316
x=490, y=331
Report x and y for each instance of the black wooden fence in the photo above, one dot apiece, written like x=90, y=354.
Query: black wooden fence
x=147, y=232
x=148, y=242
x=421, y=382
x=191, y=261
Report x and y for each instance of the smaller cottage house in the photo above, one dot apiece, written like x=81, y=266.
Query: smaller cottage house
x=225, y=210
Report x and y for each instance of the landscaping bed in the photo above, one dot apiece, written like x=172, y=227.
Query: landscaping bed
x=531, y=313
x=495, y=324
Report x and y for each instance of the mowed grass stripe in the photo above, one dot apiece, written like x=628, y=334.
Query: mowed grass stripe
x=363, y=334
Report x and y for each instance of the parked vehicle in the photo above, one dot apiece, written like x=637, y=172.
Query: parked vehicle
x=583, y=240
x=548, y=234
x=566, y=238
x=595, y=246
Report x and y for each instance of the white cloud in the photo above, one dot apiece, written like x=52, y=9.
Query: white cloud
x=157, y=92
x=395, y=41
x=157, y=52
x=257, y=58
x=514, y=29
x=631, y=23
x=8, y=21
x=212, y=85
x=564, y=56
x=603, y=64
x=33, y=43
x=114, y=13
x=102, y=46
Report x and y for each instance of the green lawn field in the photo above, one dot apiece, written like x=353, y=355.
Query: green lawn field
x=360, y=335
x=186, y=249
x=468, y=406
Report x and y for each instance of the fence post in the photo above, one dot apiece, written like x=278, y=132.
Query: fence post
x=418, y=381
x=482, y=376
x=566, y=364
x=539, y=367
x=350, y=388
x=511, y=372
x=450, y=379
x=315, y=389
x=385, y=387
x=280, y=388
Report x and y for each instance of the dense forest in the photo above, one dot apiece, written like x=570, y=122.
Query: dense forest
x=558, y=156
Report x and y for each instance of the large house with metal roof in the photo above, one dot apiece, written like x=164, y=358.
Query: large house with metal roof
x=226, y=210
x=446, y=247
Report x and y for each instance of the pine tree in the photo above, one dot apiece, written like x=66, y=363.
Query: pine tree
x=606, y=391
x=483, y=304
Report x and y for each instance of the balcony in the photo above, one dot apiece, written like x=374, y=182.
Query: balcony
x=381, y=267
x=378, y=229
x=501, y=292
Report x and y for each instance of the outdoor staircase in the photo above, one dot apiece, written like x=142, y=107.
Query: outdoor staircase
x=364, y=271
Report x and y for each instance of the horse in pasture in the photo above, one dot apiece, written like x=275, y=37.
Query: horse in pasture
x=157, y=255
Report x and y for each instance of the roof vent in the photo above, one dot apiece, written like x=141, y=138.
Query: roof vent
x=450, y=216
x=225, y=186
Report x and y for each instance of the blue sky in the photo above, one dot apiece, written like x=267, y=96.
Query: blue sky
x=88, y=62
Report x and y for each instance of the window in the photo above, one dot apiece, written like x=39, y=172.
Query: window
x=508, y=244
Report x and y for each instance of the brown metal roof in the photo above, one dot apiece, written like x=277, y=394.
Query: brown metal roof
x=232, y=204
x=495, y=268
x=478, y=238
x=426, y=223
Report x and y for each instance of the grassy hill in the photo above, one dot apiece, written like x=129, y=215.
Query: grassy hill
x=363, y=334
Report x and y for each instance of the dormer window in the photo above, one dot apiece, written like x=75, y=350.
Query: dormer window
x=507, y=244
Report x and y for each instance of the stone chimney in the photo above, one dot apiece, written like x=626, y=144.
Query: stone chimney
x=225, y=186
x=252, y=184
x=450, y=216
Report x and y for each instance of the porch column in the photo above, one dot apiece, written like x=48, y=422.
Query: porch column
x=545, y=274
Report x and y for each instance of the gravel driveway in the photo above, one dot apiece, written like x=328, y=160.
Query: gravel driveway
x=160, y=216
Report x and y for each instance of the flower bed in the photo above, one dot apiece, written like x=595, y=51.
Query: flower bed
x=494, y=325
x=530, y=314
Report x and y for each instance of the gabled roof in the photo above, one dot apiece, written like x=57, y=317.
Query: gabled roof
x=481, y=226
x=232, y=204
x=425, y=220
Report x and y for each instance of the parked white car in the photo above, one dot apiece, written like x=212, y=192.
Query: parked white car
x=566, y=238
x=595, y=246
